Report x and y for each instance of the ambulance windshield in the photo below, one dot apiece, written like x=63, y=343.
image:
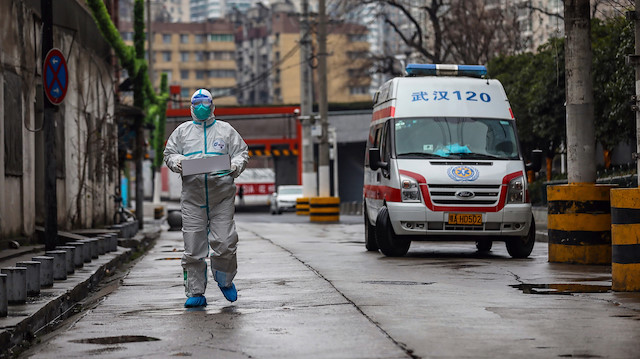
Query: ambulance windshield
x=456, y=137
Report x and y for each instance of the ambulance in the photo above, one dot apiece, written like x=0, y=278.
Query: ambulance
x=443, y=163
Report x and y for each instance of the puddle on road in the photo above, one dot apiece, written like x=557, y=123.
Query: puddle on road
x=396, y=282
x=116, y=340
x=561, y=289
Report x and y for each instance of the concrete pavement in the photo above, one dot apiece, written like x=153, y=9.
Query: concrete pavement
x=285, y=310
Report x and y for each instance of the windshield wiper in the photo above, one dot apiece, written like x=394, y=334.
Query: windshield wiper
x=420, y=154
x=480, y=156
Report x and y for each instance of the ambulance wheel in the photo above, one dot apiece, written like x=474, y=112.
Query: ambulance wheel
x=369, y=234
x=390, y=244
x=484, y=245
x=521, y=247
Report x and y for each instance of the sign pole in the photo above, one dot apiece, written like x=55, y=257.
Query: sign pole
x=50, y=196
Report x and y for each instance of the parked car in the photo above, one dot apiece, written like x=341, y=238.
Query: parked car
x=284, y=199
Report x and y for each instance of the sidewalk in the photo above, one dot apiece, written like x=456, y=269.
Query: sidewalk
x=25, y=321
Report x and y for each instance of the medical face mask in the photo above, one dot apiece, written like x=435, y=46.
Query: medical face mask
x=202, y=111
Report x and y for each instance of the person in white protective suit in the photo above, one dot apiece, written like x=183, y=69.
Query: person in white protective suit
x=207, y=200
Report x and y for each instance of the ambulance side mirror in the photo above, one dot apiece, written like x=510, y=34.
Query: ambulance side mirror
x=536, y=161
x=374, y=159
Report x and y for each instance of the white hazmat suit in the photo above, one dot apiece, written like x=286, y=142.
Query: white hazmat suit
x=207, y=200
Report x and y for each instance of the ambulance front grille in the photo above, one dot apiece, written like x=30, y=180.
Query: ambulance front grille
x=482, y=194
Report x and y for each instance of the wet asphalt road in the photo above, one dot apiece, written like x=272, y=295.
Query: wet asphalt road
x=312, y=291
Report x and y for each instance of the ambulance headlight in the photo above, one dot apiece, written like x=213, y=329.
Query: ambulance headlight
x=515, y=191
x=409, y=189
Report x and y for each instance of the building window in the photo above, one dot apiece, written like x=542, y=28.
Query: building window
x=166, y=38
x=13, y=150
x=185, y=92
x=221, y=91
x=361, y=72
x=200, y=74
x=357, y=55
x=127, y=36
x=358, y=90
x=220, y=37
x=222, y=73
x=199, y=56
x=199, y=38
x=166, y=56
x=184, y=56
x=184, y=38
x=358, y=37
x=184, y=74
x=221, y=55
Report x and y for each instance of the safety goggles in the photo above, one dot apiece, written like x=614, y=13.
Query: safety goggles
x=201, y=100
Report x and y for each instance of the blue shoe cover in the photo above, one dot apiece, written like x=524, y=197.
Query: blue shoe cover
x=229, y=292
x=192, y=302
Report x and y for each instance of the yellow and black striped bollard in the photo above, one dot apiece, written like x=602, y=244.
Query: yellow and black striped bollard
x=324, y=209
x=625, y=239
x=302, y=206
x=579, y=223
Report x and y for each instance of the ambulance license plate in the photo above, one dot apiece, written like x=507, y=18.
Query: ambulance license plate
x=465, y=219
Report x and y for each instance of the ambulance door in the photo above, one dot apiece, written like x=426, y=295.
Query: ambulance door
x=380, y=179
x=385, y=180
x=373, y=193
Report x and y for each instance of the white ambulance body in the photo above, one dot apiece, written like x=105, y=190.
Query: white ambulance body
x=443, y=163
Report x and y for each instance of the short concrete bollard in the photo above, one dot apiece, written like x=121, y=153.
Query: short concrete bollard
x=33, y=276
x=71, y=253
x=59, y=264
x=95, y=251
x=109, y=238
x=16, y=284
x=102, y=244
x=4, y=310
x=86, y=250
x=46, y=270
x=78, y=255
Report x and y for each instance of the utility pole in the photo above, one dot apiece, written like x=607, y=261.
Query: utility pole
x=306, y=103
x=138, y=101
x=581, y=138
x=49, y=128
x=580, y=232
x=324, y=188
x=157, y=180
x=636, y=63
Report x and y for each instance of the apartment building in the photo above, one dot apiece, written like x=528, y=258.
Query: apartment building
x=203, y=10
x=194, y=55
x=268, y=57
x=540, y=20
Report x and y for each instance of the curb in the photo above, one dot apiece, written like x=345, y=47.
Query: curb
x=41, y=313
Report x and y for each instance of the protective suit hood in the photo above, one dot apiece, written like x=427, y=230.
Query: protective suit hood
x=202, y=95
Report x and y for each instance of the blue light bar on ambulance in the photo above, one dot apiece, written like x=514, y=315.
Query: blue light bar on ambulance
x=446, y=70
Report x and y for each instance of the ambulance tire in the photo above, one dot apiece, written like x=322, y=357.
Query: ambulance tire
x=521, y=247
x=390, y=244
x=369, y=234
x=484, y=245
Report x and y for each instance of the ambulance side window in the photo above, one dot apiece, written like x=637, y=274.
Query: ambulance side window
x=385, y=146
x=373, y=141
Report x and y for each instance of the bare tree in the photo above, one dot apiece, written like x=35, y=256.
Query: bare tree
x=477, y=33
x=465, y=31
